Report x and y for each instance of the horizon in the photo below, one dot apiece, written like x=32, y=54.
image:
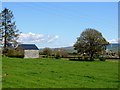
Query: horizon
x=73, y=46
x=53, y=24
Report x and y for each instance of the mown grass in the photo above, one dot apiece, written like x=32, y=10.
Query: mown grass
x=58, y=73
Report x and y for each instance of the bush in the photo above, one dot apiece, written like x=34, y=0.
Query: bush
x=75, y=59
x=15, y=55
x=102, y=58
x=85, y=58
x=57, y=56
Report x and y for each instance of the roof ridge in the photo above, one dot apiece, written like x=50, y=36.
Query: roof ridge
x=29, y=46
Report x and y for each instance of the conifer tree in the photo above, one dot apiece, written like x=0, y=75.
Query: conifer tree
x=9, y=32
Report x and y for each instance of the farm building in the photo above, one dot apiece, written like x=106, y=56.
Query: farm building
x=28, y=50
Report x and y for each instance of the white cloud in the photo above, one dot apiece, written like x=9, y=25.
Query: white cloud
x=56, y=37
x=37, y=38
x=114, y=40
x=71, y=44
x=52, y=38
x=49, y=41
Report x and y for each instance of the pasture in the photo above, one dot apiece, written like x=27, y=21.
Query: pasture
x=58, y=73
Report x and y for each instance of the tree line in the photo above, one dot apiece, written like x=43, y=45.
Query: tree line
x=89, y=43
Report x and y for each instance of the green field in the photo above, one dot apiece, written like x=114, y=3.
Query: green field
x=58, y=73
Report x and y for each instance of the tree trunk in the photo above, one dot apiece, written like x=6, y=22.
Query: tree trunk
x=5, y=38
x=91, y=57
x=5, y=44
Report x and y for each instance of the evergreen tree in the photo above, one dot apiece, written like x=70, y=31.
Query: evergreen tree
x=8, y=31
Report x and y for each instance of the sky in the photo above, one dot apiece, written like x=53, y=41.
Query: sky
x=60, y=0
x=58, y=24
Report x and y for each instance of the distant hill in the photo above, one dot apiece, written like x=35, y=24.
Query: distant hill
x=111, y=47
x=69, y=49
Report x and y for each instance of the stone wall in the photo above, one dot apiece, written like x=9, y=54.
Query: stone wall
x=31, y=53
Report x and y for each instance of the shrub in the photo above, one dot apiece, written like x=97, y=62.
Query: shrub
x=57, y=56
x=47, y=51
x=75, y=59
x=43, y=56
x=15, y=55
x=85, y=58
x=80, y=58
x=102, y=58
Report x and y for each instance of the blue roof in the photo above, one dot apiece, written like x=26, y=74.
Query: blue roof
x=29, y=46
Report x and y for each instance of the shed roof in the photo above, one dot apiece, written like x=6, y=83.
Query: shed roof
x=29, y=46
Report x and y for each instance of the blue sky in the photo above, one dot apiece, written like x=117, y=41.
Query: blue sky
x=58, y=24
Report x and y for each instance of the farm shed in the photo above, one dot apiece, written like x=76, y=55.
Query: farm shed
x=28, y=50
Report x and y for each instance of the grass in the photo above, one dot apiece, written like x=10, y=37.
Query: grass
x=58, y=73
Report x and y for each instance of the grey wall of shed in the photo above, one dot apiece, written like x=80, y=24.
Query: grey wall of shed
x=31, y=53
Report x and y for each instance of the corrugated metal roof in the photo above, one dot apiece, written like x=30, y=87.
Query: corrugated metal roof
x=29, y=47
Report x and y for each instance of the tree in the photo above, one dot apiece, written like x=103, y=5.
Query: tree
x=63, y=52
x=47, y=51
x=91, y=43
x=60, y=52
x=57, y=55
x=118, y=53
x=8, y=31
